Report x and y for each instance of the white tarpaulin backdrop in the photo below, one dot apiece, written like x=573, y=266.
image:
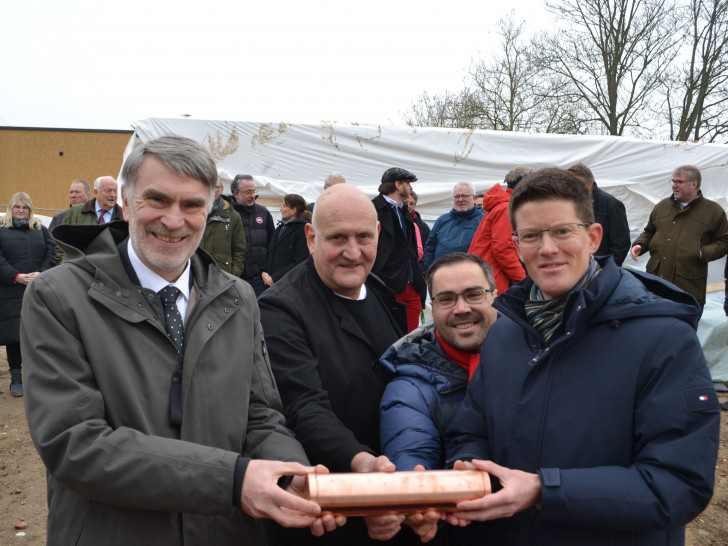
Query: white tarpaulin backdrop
x=295, y=158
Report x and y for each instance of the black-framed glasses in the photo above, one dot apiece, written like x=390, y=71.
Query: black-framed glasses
x=678, y=182
x=472, y=296
x=560, y=233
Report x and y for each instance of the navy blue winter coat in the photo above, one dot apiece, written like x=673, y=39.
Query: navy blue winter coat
x=452, y=232
x=420, y=401
x=617, y=415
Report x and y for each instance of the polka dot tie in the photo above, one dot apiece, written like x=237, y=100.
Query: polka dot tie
x=172, y=319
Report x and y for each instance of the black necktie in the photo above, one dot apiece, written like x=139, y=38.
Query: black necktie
x=172, y=319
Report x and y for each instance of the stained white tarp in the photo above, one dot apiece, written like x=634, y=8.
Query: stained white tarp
x=295, y=158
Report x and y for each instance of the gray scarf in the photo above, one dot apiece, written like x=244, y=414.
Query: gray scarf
x=546, y=316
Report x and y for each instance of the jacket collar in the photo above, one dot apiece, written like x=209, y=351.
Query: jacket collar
x=685, y=207
x=419, y=354
x=615, y=294
x=467, y=214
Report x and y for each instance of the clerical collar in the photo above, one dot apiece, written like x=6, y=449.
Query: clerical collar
x=362, y=294
x=153, y=281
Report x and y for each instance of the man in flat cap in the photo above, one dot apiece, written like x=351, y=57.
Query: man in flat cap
x=396, y=262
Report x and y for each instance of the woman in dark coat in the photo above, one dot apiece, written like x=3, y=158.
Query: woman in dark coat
x=26, y=249
x=287, y=248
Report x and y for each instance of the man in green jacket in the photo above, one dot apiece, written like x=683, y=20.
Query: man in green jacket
x=152, y=431
x=101, y=209
x=224, y=238
x=685, y=232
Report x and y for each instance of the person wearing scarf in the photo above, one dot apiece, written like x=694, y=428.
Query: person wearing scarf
x=26, y=249
x=592, y=408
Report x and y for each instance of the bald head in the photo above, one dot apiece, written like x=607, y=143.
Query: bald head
x=343, y=239
x=342, y=199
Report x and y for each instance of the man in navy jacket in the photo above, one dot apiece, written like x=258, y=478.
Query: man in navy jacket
x=592, y=404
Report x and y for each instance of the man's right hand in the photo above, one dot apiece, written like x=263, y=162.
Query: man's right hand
x=380, y=527
x=261, y=497
x=635, y=252
x=326, y=522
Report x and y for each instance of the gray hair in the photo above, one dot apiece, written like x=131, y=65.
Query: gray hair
x=471, y=188
x=181, y=155
x=515, y=175
x=235, y=184
x=97, y=182
x=335, y=174
x=86, y=187
x=691, y=172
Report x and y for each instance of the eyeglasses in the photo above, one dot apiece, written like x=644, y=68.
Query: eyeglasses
x=472, y=296
x=463, y=195
x=247, y=192
x=218, y=187
x=678, y=182
x=560, y=233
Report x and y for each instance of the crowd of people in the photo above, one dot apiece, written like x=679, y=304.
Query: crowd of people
x=198, y=362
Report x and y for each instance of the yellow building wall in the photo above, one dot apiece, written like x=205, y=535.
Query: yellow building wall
x=43, y=162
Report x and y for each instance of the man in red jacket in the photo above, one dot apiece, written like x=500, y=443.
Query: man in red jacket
x=493, y=239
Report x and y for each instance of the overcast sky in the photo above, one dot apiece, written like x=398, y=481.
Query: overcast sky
x=92, y=64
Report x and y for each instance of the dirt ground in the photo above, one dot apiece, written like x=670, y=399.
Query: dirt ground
x=23, y=489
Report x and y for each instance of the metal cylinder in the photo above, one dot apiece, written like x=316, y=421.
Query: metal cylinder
x=369, y=493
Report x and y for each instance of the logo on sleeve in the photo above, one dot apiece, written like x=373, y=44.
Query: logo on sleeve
x=702, y=399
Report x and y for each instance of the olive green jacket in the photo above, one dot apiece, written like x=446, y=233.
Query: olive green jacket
x=224, y=238
x=682, y=240
x=85, y=214
x=97, y=367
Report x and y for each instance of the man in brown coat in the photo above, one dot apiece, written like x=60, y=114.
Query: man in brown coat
x=685, y=232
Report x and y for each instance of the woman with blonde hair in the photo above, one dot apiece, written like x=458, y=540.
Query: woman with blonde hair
x=26, y=249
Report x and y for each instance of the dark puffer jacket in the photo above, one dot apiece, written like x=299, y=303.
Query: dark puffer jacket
x=617, y=415
x=420, y=401
x=258, y=227
x=22, y=250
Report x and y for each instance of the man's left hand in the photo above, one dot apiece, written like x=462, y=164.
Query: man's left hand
x=521, y=490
